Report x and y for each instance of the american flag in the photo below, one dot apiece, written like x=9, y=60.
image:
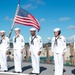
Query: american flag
x=27, y=19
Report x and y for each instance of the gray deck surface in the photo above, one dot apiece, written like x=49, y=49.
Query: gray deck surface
x=46, y=69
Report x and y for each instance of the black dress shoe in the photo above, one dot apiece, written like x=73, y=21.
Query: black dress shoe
x=5, y=70
x=14, y=72
x=19, y=72
x=53, y=69
x=31, y=73
x=37, y=73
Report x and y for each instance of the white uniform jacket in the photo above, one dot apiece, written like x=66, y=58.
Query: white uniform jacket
x=18, y=42
x=74, y=43
x=35, y=43
x=61, y=45
x=4, y=44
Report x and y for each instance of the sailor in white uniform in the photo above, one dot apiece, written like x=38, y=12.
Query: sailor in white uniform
x=0, y=59
x=35, y=42
x=18, y=46
x=4, y=46
x=74, y=45
x=58, y=48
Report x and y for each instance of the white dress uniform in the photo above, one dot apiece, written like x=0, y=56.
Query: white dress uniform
x=18, y=45
x=4, y=46
x=35, y=46
x=74, y=43
x=58, y=48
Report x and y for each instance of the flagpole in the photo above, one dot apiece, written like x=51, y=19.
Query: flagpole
x=12, y=27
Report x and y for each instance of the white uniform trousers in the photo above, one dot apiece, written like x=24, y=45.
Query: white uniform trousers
x=18, y=60
x=58, y=58
x=35, y=63
x=3, y=60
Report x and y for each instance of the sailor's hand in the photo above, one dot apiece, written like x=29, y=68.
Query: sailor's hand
x=6, y=53
x=63, y=54
x=39, y=53
x=29, y=54
x=74, y=51
x=21, y=51
x=52, y=54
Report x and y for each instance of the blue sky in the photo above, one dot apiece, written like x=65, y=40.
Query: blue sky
x=50, y=14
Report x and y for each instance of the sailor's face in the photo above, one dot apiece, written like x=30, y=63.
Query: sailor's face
x=2, y=34
x=17, y=32
x=32, y=33
x=56, y=34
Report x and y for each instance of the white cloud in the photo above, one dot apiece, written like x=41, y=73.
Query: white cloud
x=38, y=1
x=71, y=27
x=29, y=6
x=42, y=20
x=11, y=19
x=64, y=18
x=52, y=20
x=8, y=19
x=33, y=4
x=48, y=38
x=70, y=39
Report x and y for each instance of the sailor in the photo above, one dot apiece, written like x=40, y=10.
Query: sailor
x=35, y=42
x=0, y=59
x=74, y=45
x=58, y=48
x=18, y=46
x=4, y=46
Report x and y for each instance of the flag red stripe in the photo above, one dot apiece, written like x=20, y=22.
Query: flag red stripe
x=22, y=17
x=34, y=19
x=25, y=20
x=27, y=24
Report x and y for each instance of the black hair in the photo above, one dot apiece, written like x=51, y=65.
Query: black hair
x=59, y=32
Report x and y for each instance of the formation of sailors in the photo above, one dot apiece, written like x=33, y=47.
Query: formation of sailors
x=58, y=48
